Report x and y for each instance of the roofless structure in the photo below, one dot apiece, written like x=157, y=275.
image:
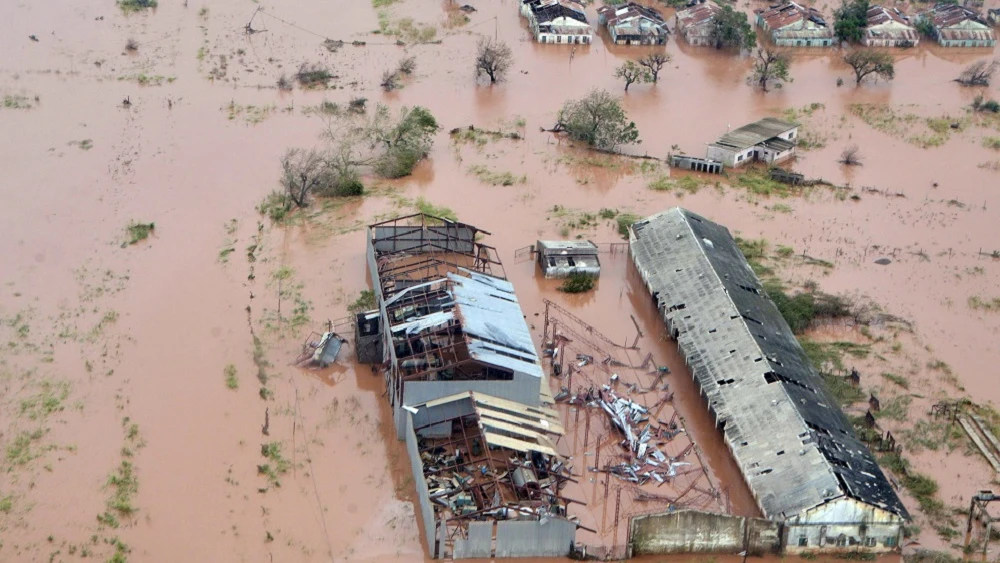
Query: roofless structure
x=447, y=320
x=795, y=448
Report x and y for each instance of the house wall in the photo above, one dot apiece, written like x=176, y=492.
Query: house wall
x=479, y=544
x=563, y=270
x=729, y=157
x=693, y=531
x=548, y=537
x=697, y=35
x=693, y=163
x=423, y=496
x=843, y=524
x=523, y=388
x=785, y=41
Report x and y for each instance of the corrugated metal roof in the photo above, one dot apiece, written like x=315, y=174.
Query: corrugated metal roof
x=493, y=322
x=508, y=424
x=947, y=15
x=793, y=15
x=792, y=442
x=697, y=15
x=754, y=133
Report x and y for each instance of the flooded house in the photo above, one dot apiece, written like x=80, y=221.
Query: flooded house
x=563, y=258
x=447, y=320
x=769, y=140
x=795, y=448
x=696, y=24
x=557, y=21
x=888, y=27
x=633, y=24
x=489, y=481
x=957, y=26
x=794, y=25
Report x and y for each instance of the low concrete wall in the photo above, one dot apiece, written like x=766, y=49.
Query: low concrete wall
x=693, y=531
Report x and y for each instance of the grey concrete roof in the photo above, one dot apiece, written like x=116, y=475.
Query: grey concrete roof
x=573, y=246
x=794, y=445
x=754, y=133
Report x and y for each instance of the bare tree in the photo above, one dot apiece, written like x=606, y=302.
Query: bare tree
x=869, y=61
x=653, y=63
x=493, y=58
x=632, y=72
x=770, y=69
x=978, y=73
x=303, y=172
x=408, y=65
x=390, y=80
x=851, y=156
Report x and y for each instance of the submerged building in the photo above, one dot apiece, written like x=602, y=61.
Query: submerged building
x=697, y=24
x=957, y=26
x=557, y=21
x=794, y=25
x=633, y=24
x=768, y=140
x=447, y=319
x=889, y=28
x=794, y=446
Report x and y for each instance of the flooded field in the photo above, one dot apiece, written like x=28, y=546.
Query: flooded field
x=148, y=406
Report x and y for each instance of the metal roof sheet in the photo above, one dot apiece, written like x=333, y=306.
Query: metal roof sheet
x=794, y=446
x=697, y=15
x=755, y=133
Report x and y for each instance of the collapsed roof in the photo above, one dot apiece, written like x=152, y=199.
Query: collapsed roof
x=794, y=445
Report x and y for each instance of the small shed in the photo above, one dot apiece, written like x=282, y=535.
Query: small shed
x=562, y=258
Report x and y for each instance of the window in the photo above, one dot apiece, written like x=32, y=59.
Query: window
x=791, y=135
x=870, y=542
x=890, y=541
x=803, y=541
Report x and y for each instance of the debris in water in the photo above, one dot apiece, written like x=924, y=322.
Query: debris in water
x=883, y=261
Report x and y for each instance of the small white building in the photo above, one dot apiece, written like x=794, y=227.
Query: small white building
x=558, y=21
x=633, y=24
x=769, y=140
x=563, y=258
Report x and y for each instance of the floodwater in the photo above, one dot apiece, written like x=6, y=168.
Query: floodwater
x=96, y=333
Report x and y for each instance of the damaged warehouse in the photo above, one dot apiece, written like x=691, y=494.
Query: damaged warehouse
x=489, y=479
x=447, y=320
x=467, y=391
x=794, y=446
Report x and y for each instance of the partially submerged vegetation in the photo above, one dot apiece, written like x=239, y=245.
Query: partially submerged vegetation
x=578, y=283
x=493, y=178
x=137, y=231
x=597, y=120
x=130, y=6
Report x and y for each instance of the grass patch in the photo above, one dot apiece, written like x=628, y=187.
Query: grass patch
x=276, y=464
x=606, y=213
x=23, y=448
x=978, y=303
x=896, y=408
x=276, y=206
x=137, y=231
x=625, y=221
x=16, y=102
x=933, y=435
x=487, y=176
x=7, y=504
x=578, y=283
x=759, y=182
x=313, y=76
x=364, y=302
x=428, y=208
x=143, y=79
x=922, y=132
x=49, y=400
x=383, y=3
x=405, y=29
x=682, y=184
x=251, y=114
x=897, y=379
x=232, y=380
x=992, y=143
x=129, y=6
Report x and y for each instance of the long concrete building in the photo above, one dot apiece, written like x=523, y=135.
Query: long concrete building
x=795, y=448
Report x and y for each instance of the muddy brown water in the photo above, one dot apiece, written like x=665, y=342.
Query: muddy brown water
x=174, y=156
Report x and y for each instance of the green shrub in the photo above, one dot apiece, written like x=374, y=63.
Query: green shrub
x=625, y=220
x=135, y=5
x=578, y=283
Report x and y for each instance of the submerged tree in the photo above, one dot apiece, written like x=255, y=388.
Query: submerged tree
x=978, y=73
x=851, y=19
x=869, y=61
x=302, y=173
x=598, y=120
x=404, y=141
x=851, y=156
x=654, y=62
x=632, y=72
x=731, y=29
x=493, y=58
x=770, y=69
